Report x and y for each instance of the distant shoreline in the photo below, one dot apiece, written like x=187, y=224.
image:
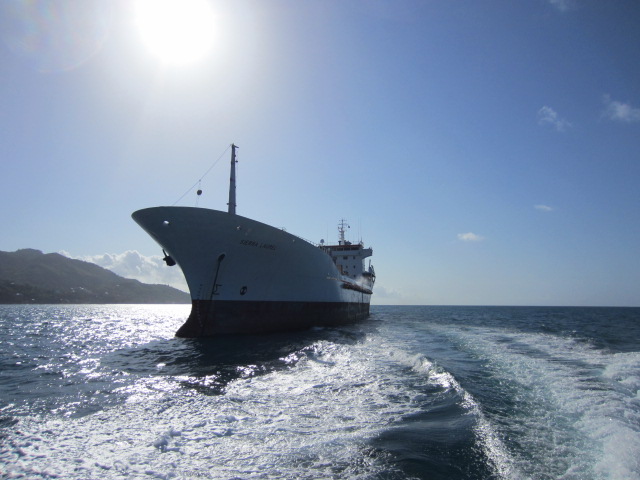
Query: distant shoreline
x=29, y=276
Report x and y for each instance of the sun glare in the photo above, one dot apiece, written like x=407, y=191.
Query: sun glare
x=177, y=31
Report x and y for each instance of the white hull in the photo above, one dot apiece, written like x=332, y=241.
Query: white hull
x=245, y=276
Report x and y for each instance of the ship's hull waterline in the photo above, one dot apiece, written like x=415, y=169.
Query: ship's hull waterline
x=248, y=277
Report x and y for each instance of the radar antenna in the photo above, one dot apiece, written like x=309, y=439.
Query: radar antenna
x=341, y=229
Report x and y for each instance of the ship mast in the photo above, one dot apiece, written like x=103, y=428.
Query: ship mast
x=232, y=182
x=341, y=226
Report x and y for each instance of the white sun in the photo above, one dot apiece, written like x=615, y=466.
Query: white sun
x=177, y=31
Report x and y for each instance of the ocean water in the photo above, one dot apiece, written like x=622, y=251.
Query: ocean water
x=414, y=392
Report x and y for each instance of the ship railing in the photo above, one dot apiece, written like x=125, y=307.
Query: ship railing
x=315, y=244
x=325, y=248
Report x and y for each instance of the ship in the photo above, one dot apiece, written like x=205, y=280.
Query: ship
x=247, y=277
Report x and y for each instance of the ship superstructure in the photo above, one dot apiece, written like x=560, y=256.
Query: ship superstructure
x=349, y=257
x=248, y=277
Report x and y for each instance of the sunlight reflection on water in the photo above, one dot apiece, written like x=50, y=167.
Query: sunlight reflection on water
x=109, y=392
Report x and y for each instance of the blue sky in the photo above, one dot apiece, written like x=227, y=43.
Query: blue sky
x=488, y=151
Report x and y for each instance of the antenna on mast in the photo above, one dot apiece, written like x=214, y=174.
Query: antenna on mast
x=341, y=229
x=232, y=181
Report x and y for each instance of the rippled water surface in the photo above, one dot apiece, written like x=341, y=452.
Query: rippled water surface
x=414, y=392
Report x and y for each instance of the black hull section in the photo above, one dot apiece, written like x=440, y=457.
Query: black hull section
x=209, y=318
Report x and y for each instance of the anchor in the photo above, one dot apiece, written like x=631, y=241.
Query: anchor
x=168, y=260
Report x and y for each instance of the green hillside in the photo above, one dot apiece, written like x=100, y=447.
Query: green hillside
x=30, y=276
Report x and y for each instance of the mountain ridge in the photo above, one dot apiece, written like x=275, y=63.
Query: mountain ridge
x=31, y=276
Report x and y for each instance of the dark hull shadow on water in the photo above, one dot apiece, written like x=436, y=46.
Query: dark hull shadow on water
x=209, y=364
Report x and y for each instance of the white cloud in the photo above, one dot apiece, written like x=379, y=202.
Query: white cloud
x=620, y=112
x=544, y=208
x=470, y=237
x=382, y=292
x=132, y=264
x=562, y=5
x=548, y=116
